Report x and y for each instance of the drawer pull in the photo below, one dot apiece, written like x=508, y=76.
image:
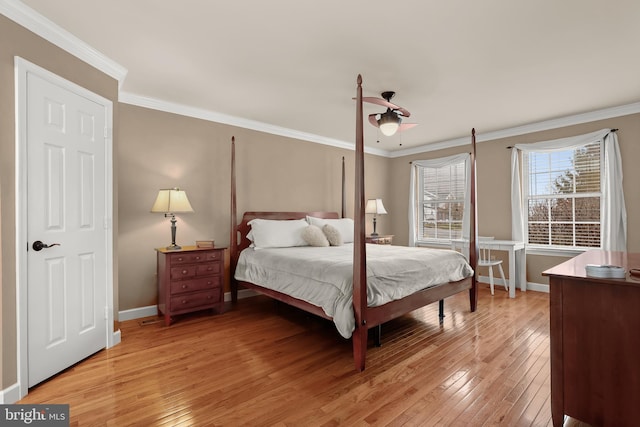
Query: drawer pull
x=180, y=259
x=209, y=268
x=184, y=286
x=184, y=301
x=198, y=258
x=185, y=271
x=209, y=283
x=208, y=296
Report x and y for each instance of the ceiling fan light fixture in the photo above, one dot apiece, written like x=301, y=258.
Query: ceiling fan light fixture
x=389, y=123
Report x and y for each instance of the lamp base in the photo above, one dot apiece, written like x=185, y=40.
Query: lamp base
x=173, y=248
x=374, y=234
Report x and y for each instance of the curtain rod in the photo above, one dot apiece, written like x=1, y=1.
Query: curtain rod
x=610, y=130
x=411, y=162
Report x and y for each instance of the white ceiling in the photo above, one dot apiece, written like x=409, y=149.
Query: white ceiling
x=455, y=64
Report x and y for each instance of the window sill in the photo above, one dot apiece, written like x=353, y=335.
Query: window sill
x=446, y=244
x=555, y=251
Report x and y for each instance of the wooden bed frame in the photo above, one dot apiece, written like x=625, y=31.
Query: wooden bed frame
x=365, y=317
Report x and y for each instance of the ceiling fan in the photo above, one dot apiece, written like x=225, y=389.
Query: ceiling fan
x=390, y=121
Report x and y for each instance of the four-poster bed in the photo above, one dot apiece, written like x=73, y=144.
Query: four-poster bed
x=364, y=315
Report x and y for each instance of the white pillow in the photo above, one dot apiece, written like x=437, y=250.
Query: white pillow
x=314, y=236
x=343, y=225
x=270, y=233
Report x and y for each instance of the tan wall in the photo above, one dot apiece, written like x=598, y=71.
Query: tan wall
x=494, y=184
x=163, y=150
x=16, y=41
x=155, y=150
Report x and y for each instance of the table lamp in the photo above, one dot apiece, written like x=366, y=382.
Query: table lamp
x=375, y=207
x=170, y=202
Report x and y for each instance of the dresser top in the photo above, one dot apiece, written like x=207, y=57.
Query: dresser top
x=187, y=249
x=575, y=267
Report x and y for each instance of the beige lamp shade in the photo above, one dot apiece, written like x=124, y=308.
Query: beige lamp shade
x=172, y=200
x=375, y=206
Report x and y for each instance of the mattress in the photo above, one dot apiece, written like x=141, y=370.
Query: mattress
x=323, y=276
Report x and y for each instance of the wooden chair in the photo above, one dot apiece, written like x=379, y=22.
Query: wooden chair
x=485, y=260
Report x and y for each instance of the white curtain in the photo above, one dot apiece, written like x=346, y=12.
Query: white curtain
x=413, y=191
x=614, y=216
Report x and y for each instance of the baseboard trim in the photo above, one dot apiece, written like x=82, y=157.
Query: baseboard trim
x=10, y=394
x=538, y=287
x=242, y=293
x=116, y=338
x=152, y=310
x=137, y=313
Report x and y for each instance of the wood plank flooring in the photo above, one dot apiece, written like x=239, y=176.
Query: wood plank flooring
x=261, y=363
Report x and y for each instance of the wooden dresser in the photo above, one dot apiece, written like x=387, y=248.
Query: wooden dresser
x=595, y=342
x=189, y=279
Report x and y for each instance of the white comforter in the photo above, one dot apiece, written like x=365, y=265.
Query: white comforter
x=323, y=276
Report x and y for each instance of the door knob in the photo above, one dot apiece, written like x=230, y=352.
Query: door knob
x=38, y=245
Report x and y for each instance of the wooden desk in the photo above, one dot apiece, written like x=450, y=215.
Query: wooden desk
x=517, y=259
x=595, y=342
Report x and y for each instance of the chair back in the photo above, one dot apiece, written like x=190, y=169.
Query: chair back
x=485, y=253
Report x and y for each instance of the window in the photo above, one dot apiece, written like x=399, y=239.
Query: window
x=442, y=201
x=567, y=195
x=563, y=196
x=439, y=198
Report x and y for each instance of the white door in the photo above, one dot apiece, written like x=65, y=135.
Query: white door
x=67, y=281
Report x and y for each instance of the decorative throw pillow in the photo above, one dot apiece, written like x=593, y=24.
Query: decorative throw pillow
x=314, y=236
x=343, y=225
x=333, y=235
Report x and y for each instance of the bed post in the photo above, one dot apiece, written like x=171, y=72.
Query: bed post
x=233, y=240
x=344, y=194
x=359, y=336
x=473, y=235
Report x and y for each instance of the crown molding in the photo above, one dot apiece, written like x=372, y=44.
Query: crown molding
x=212, y=116
x=155, y=104
x=606, y=113
x=43, y=27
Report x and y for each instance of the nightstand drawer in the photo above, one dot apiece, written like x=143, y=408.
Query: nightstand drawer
x=196, y=284
x=209, y=269
x=214, y=255
x=184, y=272
x=188, y=258
x=196, y=299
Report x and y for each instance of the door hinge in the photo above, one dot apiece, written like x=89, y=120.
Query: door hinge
x=106, y=313
x=108, y=132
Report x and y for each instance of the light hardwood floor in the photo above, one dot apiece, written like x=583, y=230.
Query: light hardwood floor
x=261, y=363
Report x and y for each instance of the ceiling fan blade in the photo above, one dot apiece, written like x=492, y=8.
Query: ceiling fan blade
x=406, y=126
x=379, y=101
x=373, y=120
x=403, y=112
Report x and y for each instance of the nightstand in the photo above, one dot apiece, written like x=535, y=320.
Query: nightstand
x=189, y=279
x=380, y=239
